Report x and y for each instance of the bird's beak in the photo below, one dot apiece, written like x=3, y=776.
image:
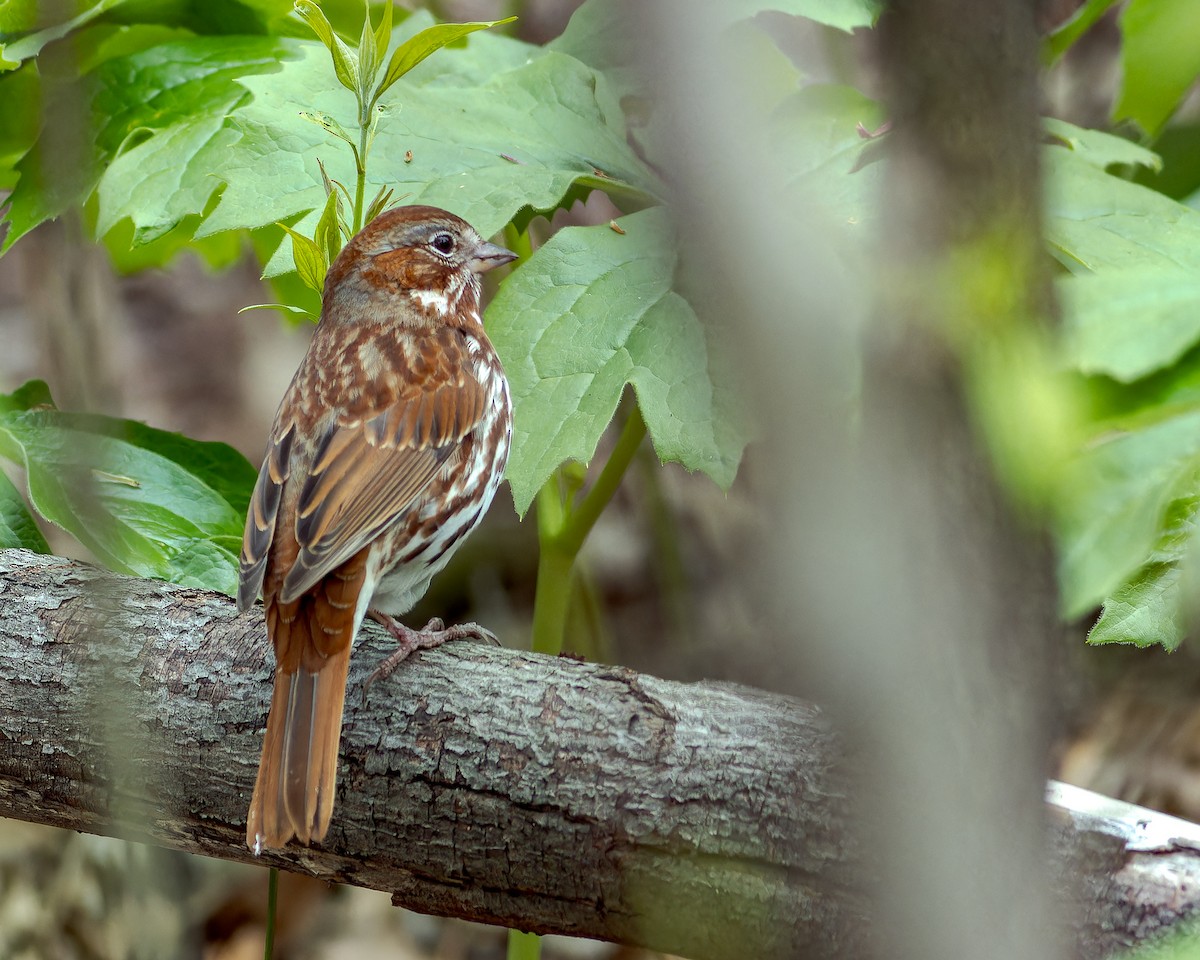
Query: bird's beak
x=489, y=255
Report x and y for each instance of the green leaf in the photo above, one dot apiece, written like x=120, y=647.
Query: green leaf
x=284, y=308
x=1143, y=611
x=1063, y=37
x=310, y=261
x=288, y=287
x=1121, y=493
x=218, y=253
x=160, y=182
x=378, y=205
x=1095, y=221
x=383, y=32
x=845, y=15
x=32, y=395
x=1160, y=59
x=19, y=16
x=328, y=236
x=12, y=52
x=377, y=113
x=591, y=311
x=18, y=529
x=345, y=64
x=427, y=42
x=108, y=41
x=368, y=58
x=172, y=118
x=459, y=119
x=1129, y=323
x=164, y=111
x=328, y=124
x=599, y=35
x=144, y=501
x=100, y=29
x=1101, y=149
x=20, y=92
x=1149, y=607
x=818, y=130
x=1119, y=408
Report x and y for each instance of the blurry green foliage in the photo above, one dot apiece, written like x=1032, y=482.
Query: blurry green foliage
x=1160, y=59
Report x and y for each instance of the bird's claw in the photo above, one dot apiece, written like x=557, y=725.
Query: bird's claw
x=408, y=641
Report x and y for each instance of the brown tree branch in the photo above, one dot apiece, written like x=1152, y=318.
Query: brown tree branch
x=482, y=783
x=556, y=796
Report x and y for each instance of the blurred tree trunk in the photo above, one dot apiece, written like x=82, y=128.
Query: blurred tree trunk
x=910, y=596
x=75, y=305
x=958, y=718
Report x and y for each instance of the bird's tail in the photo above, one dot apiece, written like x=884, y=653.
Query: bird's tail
x=293, y=795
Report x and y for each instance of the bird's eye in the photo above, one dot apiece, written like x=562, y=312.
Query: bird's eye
x=443, y=243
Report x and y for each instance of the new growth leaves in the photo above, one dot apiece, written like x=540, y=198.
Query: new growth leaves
x=363, y=72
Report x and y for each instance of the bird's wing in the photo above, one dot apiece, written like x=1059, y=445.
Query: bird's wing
x=366, y=469
x=264, y=510
x=367, y=473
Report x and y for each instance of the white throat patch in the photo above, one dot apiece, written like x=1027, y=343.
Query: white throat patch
x=432, y=300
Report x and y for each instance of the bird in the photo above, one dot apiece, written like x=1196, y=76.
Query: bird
x=385, y=453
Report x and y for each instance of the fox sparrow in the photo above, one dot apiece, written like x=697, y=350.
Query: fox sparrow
x=386, y=451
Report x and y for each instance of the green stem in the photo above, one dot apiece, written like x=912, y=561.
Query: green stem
x=553, y=594
x=524, y=946
x=518, y=241
x=581, y=520
x=586, y=624
x=360, y=186
x=551, y=511
x=562, y=531
x=665, y=540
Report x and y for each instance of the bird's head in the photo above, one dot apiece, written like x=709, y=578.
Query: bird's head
x=421, y=256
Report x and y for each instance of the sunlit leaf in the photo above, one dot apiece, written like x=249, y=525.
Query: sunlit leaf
x=1120, y=502
x=592, y=311
x=1130, y=323
x=1099, y=148
x=1144, y=611
x=309, y=258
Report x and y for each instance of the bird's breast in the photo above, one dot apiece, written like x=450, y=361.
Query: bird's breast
x=423, y=540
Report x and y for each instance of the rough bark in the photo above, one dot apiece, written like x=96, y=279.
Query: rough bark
x=704, y=819
x=1127, y=875
x=483, y=783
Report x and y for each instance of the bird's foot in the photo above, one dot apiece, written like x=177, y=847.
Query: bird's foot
x=408, y=641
